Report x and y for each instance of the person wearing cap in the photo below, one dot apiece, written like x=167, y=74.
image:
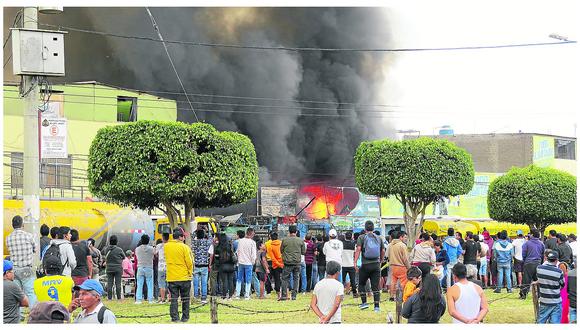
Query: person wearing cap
x=179, y=274
x=48, y=312
x=518, y=244
x=551, y=281
x=333, y=250
x=54, y=286
x=14, y=297
x=89, y=299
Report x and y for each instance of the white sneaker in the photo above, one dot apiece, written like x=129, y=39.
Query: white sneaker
x=138, y=302
x=237, y=298
x=247, y=298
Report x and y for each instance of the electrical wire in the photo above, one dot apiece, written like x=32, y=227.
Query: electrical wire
x=306, y=49
x=156, y=27
x=385, y=114
x=16, y=20
x=358, y=107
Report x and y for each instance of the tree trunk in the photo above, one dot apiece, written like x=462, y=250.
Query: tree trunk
x=171, y=215
x=410, y=229
x=189, y=217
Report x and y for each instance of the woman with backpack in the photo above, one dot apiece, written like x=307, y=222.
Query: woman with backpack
x=114, y=256
x=225, y=260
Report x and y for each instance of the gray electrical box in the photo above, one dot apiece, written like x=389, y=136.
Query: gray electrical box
x=38, y=52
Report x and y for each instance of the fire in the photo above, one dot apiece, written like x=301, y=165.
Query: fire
x=325, y=204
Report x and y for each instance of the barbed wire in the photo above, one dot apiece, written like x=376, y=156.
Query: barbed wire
x=191, y=309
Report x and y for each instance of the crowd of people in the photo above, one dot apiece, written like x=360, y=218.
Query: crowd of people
x=435, y=276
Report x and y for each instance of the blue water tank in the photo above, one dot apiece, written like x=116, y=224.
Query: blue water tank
x=446, y=130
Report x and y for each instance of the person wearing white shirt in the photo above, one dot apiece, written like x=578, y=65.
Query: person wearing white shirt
x=333, y=250
x=518, y=257
x=247, y=254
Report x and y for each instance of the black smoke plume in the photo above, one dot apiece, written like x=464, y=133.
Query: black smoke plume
x=289, y=146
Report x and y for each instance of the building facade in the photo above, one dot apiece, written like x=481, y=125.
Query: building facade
x=81, y=109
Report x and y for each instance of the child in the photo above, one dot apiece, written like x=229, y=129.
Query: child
x=414, y=278
x=262, y=269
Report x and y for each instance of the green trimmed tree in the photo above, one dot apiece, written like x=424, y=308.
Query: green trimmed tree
x=534, y=196
x=417, y=172
x=165, y=165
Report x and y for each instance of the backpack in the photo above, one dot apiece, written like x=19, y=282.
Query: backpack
x=40, y=272
x=51, y=258
x=371, y=247
x=228, y=255
x=101, y=314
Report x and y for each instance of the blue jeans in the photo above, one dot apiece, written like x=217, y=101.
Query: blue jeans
x=144, y=274
x=572, y=315
x=303, y=277
x=504, y=270
x=200, y=275
x=314, y=275
x=550, y=313
x=26, y=283
x=256, y=284
x=245, y=276
x=449, y=267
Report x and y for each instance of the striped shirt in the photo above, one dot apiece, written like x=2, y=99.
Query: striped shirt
x=21, y=246
x=551, y=280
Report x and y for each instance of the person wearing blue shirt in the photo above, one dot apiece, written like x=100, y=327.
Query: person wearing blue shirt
x=453, y=248
x=503, y=252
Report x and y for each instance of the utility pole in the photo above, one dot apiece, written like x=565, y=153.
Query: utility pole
x=31, y=188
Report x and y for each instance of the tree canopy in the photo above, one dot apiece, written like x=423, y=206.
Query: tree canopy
x=534, y=196
x=417, y=172
x=149, y=164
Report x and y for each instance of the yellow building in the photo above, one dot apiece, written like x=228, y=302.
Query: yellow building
x=86, y=107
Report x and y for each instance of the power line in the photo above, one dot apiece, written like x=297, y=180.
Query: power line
x=306, y=49
x=355, y=105
x=76, y=85
x=156, y=27
x=386, y=113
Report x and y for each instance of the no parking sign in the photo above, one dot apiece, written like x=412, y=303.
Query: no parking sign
x=53, y=135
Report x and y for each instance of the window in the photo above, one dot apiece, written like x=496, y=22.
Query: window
x=126, y=109
x=564, y=149
x=54, y=172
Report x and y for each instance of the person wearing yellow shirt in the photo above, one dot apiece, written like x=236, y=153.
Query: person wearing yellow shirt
x=54, y=287
x=413, y=279
x=179, y=274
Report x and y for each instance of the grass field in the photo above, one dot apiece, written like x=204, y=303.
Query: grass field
x=504, y=308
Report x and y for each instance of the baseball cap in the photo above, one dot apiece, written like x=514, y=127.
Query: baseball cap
x=552, y=255
x=91, y=285
x=8, y=265
x=519, y=232
x=48, y=312
x=332, y=233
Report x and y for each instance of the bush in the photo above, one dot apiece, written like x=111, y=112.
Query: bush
x=535, y=196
